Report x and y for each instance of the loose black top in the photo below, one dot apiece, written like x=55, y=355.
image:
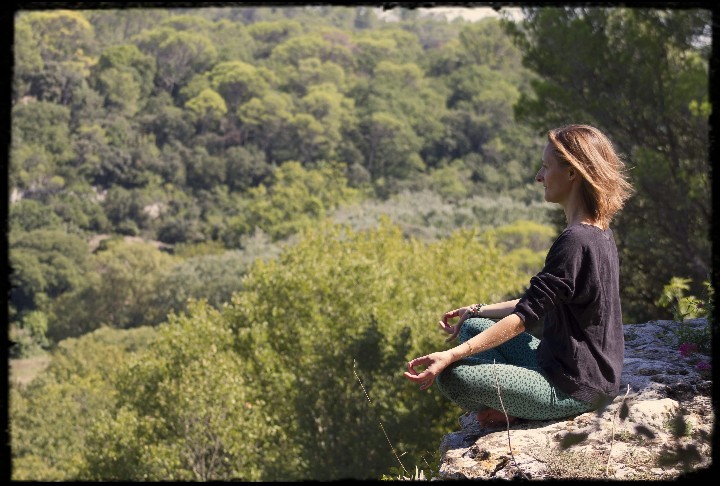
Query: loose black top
x=582, y=345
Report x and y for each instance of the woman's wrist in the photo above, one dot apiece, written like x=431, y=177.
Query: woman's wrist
x=475, y=310
x=462, y=350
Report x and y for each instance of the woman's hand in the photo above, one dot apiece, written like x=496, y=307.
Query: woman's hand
x=463, y=313
x=436, y=362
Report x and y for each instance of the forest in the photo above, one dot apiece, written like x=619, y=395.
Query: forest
x=229, y=228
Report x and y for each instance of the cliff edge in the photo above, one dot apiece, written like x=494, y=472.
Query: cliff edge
x=659, y=427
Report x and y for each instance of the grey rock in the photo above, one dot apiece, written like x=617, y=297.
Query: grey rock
x=659, y=427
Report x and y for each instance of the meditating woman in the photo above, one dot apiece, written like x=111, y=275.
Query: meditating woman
x=504, y=373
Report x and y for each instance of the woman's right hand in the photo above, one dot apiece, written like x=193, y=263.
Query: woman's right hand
x=454, y=329
x=434, y=362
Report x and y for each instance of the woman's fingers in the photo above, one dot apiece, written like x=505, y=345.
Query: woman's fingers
x=425, y=379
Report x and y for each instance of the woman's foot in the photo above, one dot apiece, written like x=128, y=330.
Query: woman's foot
x=491, y=418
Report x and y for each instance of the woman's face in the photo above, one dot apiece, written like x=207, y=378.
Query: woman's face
x=554, y=176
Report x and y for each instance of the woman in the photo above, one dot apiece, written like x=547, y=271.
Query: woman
x=504, y=373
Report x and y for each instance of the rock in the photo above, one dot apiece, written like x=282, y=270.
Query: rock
x=659, y=427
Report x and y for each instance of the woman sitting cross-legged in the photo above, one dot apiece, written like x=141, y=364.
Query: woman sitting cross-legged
x=575, y=366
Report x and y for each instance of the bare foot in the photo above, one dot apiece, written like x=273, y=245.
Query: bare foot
x=491, y=418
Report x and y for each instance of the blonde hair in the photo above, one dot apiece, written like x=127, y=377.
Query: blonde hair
x=605, y=187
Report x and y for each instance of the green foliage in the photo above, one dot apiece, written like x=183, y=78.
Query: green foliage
x=314, y=72
x=295, y=199
x=686, y=307
x=175, y=403
x=209, y=277
x=179, y=55
x=268, y=34
x=267, y=120
x=237, y=82
x=51, y=417
x=27, y=60
x=123, y=204
x=119, y=294
x=120, y=89
x=29, y=215
x=207, y=107
x=450, y=181
x=79, y=208
x=372, y=297
x=45, y=263
x=246, y=168
x=128, y=56
x=44, y=127
x=28, y=334
x=60, y=34
x=425, y=215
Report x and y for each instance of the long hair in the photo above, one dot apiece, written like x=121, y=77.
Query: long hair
x=605, y=187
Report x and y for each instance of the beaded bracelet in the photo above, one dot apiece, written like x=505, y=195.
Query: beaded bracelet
x=475, y=309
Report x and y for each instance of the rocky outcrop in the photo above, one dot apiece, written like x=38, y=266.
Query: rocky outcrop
x=660, y=427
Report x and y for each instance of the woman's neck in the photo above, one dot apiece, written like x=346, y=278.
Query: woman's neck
x=578, y=215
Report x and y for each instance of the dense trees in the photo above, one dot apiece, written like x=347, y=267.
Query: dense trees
x=266, y=386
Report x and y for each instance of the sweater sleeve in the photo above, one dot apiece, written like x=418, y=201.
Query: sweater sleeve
x=555, y=283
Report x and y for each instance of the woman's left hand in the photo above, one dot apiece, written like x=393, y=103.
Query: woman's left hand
x=436, y=362
x=454, y=330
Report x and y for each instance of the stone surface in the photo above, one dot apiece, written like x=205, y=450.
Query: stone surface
x=660, y=427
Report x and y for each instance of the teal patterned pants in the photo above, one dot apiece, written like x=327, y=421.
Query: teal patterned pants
x=472, y=383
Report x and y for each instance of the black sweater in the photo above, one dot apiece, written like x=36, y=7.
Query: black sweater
x=582, y=345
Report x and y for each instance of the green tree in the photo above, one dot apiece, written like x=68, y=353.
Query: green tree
x=51, y=417
x=27, y=61
x=79, y=208
x=325, y=116
x=40, y=143
x=268, y=34
x=176, y=403
x=246, y=168
x=167, y=123
x=205, y=171
x=179, y=54
x=28, y=215
x=130, y=157
x=641, y=75
x=295, y=199
x=325, y=45
x=44, y=263
x=129, y=57
x=207, y=108
x=390, y=147
x=311, y=72
x=119, y=293
x=121, y=90
x=213, y=278
x=60, y=35
x=237, y=82
x=265, y=122
x=340, y=305
x=114, y=27
x=232, y=40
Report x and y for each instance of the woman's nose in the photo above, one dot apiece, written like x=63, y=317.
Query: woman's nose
x=538, y=177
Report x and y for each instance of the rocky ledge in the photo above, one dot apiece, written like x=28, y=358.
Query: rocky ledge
x=660, y=426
